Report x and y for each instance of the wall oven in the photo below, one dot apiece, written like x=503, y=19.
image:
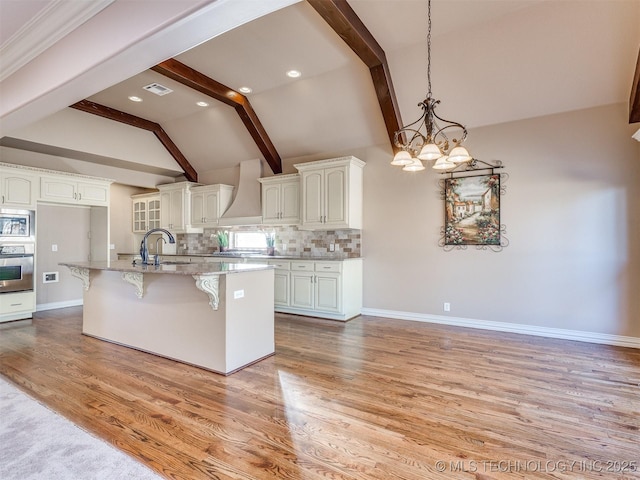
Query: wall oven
x=17, y=248
x=16, y=267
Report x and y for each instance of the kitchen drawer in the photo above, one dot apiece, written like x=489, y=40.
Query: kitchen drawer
x=328, y=267
x=17, y=302
x=280, y=264
x=302, y=266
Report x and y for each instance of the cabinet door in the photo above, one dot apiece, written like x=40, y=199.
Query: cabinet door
x=139, y=215
x=335, y=197
x=271, y=203
x=16, y=189
x=197, y=209
x=313, y=198
x=57, y=189
x=290, y=202
x=281, y=288
x=165, y=210
x=176, y=210
x=153, y=213
x=302, y=291
x=327, y=292
x=92, y=193
x=211, y=208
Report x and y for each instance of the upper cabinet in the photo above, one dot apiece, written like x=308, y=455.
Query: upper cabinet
x=281, y=199
x=145, y=212
x=74, y=190
x=208, y=203
x=331, y=193
x=175, y=207
x=23, y=187
x=17, y=188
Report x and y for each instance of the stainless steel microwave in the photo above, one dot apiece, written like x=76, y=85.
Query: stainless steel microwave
x=17, y=225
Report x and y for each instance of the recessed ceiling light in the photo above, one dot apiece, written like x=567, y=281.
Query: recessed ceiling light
x=245, y=90
x=202, y=104
x=133, y=98
x=294, y=73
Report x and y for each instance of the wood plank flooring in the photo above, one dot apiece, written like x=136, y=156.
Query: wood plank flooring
x=373, y=398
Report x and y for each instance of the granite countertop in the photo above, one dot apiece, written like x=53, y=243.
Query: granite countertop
x=211, y=268
x=333, y=258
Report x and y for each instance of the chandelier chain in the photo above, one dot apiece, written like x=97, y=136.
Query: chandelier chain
x=429, y=50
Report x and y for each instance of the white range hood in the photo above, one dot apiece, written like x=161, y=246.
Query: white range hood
x=246, y=207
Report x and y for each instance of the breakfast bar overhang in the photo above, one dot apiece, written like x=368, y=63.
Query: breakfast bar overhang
x=217, y=316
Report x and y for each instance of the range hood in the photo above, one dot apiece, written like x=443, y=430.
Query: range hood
x=246, y=207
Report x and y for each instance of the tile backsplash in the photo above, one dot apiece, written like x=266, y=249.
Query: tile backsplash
x=289, y=241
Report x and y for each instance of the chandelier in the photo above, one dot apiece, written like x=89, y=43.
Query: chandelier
x=437, y=142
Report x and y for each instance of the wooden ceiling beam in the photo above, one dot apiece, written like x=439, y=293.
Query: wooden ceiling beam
x=122, y=117
x=186, y=75
x=634, y=100
x=346, y=23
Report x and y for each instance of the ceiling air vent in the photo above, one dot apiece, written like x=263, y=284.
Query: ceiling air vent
x=157, y=89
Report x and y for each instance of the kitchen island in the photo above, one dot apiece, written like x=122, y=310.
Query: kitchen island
x=218, y=316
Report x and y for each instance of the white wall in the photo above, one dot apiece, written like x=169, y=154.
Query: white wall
x=67, y=227
x=572, y=200
x=121, y=221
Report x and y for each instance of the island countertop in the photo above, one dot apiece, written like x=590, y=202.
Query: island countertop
x=251, y=256
x=178, y=268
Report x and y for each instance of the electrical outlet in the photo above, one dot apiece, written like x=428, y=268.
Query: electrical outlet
x=332, y=247
x=447, y=307
x=238, y=294
x=54, y=247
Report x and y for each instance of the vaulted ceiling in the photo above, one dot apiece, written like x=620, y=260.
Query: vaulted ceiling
x=493, y=61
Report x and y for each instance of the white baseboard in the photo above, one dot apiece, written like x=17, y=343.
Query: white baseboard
x=52, y=306
x=591, y=337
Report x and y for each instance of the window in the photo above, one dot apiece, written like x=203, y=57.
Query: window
x=247, y=240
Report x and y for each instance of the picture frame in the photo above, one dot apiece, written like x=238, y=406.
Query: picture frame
x=472, y=211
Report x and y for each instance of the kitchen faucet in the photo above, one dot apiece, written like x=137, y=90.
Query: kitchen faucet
x=144, y=251
x=156, y=262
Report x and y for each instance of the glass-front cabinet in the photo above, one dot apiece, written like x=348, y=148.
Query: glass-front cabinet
x=146, y=212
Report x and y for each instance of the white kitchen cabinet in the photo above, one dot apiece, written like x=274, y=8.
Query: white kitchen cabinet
x=331, y=193
x=281, y=282
x=175, y=207
x=281, y=199
x=17, y=188
x=145, y=212
x=17, y=306
x=326, y=289
x=73, y=190
x=208, y=203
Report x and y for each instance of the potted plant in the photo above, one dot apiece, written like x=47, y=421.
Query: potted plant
x=271, y=242
x=223, y=240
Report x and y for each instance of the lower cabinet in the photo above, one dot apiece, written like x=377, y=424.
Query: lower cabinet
x=330, y=289
x=16, y=306
x=325, y=289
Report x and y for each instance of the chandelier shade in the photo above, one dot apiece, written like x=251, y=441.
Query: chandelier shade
x=443, y=164
x=402, y=158
x=415, y=166
x=430, y=151
x=459, y=155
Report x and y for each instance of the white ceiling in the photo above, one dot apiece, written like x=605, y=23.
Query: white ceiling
x=493, y=61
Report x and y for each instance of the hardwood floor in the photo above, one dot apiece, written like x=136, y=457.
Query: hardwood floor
x=373, y=398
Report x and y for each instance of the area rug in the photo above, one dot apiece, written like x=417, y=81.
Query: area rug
x=38, y=444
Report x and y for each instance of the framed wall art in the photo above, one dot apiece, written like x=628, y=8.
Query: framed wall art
x=472, y=211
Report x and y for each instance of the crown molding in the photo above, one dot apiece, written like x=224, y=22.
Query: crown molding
x=48, y=26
